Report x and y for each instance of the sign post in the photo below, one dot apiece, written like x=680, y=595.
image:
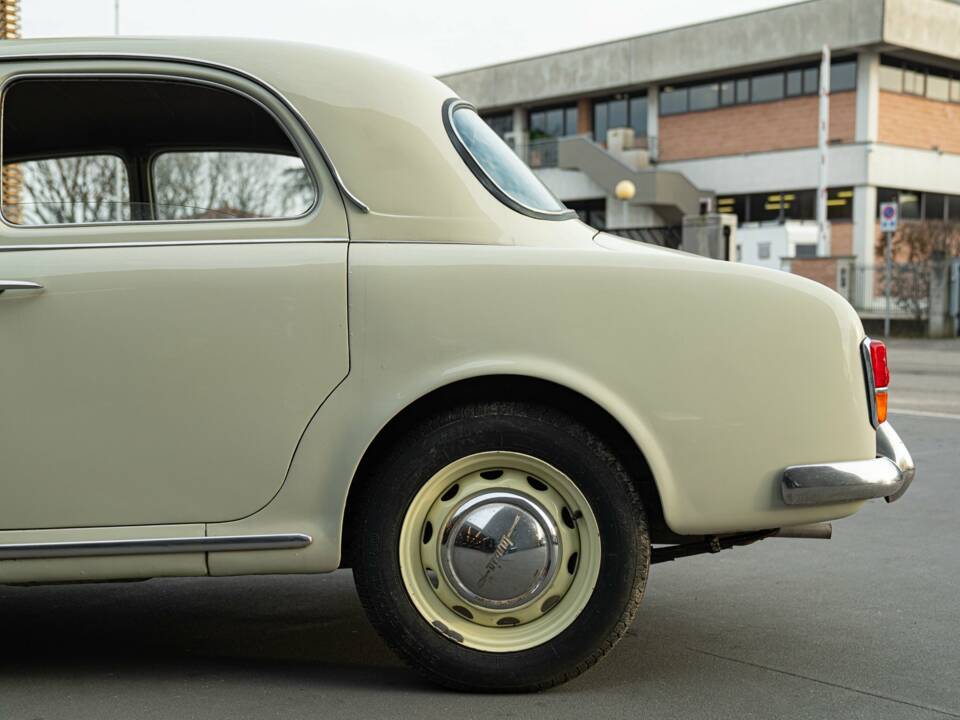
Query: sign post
x=823, y=133
x=889, y=214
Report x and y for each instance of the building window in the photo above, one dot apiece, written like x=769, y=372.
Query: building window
x=704, y=97
x=839, y=204
x=891, y=79
x=620, y=111
x=934, y=206
x=921, y=205
x=925, y=80
x=953, y=208
x=501, y=123
x=794, y=83
x=728, y=94
x=766, y=86
x=763, y=251
x=843, y=76
x=777, y=207
x=673, y=101
x=553, y=122
x=913, y=82
x=805, y=250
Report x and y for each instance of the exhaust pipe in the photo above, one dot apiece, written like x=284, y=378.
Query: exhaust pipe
x=814, y=531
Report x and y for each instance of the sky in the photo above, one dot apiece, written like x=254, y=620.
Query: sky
x=435, y=36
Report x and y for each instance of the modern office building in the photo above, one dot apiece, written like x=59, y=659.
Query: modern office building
x=723, y=116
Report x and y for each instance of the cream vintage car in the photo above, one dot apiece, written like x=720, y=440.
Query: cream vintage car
x=271, y=308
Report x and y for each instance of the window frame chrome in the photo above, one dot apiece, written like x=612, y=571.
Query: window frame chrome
x=450, y=106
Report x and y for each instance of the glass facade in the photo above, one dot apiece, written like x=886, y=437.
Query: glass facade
x=500, y=123
x=766, y=86
x=620, y=111
x=553, y=122
x=780, y=206
x=915, y=205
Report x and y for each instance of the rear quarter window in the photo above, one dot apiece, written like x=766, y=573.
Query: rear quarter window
x=497, y=166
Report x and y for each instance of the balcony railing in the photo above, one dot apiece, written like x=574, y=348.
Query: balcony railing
x=543, y=152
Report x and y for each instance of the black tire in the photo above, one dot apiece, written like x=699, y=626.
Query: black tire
x=527, y=428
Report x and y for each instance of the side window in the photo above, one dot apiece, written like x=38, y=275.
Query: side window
x=69, y=189
x=230, y=185
x=114, y=149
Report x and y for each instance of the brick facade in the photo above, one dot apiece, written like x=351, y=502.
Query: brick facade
x=841, y=237
x=584, y=116
x=781, y=125
x=918, y=122
x=821, y=269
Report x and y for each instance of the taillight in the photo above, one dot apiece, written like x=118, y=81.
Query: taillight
x=878, y=379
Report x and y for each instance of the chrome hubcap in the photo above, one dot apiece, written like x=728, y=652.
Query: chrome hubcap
x=500, y=550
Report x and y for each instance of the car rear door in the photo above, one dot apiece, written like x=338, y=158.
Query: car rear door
x=173, y=306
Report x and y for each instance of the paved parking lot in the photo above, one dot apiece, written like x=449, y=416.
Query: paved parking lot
x=864, y=626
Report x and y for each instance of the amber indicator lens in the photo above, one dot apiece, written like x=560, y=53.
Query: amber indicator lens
x=881, y=407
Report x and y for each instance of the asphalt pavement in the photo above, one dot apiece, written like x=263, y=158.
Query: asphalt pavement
x=866, y=625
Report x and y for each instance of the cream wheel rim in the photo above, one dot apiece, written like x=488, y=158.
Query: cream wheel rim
x=500, y=551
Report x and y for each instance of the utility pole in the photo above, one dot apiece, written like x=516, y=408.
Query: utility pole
x=12, y=178
x=823, y=136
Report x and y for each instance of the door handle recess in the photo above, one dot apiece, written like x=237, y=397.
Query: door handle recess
x=19, y=285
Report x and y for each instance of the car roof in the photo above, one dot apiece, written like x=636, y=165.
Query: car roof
x=380, y=123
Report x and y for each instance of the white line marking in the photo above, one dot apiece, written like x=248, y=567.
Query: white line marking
x=924, y=413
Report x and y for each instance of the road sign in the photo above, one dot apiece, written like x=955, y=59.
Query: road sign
x=888, y=217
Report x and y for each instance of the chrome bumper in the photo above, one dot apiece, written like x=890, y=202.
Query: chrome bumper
x=888, y=475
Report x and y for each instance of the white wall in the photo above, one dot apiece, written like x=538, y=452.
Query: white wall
x=769, y=171
x=782, y=241
x=570, y=184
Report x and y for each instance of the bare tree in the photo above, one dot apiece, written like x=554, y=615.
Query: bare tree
x=915, y=245
x=230, y=184
x=186, y=185
x=70, y=190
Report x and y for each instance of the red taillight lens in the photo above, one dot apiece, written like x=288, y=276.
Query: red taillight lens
x=878, y=358
x=875, y=365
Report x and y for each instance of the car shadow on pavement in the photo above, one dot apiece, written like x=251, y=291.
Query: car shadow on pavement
x=303, y=628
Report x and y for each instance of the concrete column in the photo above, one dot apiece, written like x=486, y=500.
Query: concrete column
x=653, y=121
x=864, y=241
x=939, y=322
x=520, y=132
x=585, y=116
x=868, y=96
x=864, y=223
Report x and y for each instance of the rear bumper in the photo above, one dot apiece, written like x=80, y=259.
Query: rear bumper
x=888, y=475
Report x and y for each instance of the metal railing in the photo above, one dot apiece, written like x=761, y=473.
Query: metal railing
x=909, y=290
x=543, y=152
x=669, y=236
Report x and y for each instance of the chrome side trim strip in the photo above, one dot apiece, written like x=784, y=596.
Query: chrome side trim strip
x=342, y=186
x=152, y=546
x=162, y=243
x=888, y=475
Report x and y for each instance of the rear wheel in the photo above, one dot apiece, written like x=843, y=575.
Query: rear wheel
x=501, y=547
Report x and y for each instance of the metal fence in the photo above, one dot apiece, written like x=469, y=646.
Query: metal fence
x=541, y=153
x=669, y=236
x=909, y=290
